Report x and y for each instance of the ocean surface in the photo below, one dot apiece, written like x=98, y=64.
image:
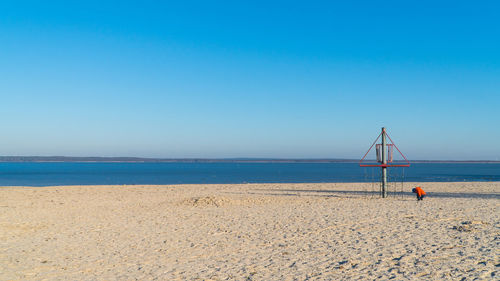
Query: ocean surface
x=71, y=173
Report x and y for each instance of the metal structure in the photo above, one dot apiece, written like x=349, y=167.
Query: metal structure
x=385, y=158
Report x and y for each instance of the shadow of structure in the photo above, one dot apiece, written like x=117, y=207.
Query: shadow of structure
x=344, y=193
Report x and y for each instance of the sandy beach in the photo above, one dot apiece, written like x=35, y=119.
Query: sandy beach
x=334, y=231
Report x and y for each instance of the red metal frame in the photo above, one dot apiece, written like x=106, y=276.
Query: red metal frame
x=384, y=165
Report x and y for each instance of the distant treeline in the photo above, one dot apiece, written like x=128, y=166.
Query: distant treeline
x=205, y=160
x=139, y=159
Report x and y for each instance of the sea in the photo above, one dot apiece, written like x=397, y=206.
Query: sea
x=117, y=173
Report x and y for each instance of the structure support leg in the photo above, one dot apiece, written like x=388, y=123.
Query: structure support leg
x=384, y=161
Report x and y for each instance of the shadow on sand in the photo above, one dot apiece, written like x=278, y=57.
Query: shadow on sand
x=344, y=193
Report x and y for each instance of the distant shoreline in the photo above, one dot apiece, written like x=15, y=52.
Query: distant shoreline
x=209, y=160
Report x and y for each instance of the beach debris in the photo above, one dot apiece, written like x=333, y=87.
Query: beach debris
x=468, y=226
x=206, y=201
x=463, y=228
x=342, y=264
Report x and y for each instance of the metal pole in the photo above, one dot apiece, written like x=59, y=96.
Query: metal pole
x=384, y=161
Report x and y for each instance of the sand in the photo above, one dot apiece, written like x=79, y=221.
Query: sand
x=249, y=232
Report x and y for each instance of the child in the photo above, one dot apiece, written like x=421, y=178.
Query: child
x=420, y=193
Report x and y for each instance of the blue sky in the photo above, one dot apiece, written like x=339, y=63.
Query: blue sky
x=286, y=79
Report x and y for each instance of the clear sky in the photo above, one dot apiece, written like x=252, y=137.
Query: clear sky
x=286, y=79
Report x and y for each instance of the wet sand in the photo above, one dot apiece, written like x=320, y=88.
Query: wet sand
x=333, y=231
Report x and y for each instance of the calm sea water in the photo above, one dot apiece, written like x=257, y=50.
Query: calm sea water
x=43, y=174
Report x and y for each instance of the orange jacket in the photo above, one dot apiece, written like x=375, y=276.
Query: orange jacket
x=419, y=191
